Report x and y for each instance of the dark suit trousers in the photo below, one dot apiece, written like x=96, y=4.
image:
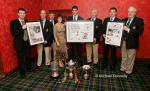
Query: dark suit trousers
x=24, y=58
x=113, y=50
x=75, y=47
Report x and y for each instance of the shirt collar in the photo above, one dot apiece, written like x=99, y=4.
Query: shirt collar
x=113, y=18
x=51, y=20
x=131, y=18
x=93, y=18
x=75, y=16
x=20, y=19
x=43, y=20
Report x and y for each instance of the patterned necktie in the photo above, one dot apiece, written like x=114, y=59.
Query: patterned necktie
x=42, y=23
x=111, y=19
x=128, y=22
x=92, y=19
x=25, y=36
x=74, y=18
x=52, y=21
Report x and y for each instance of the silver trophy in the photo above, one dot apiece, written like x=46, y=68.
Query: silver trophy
x=54, y=69
x=86, y=69
x=71, y=68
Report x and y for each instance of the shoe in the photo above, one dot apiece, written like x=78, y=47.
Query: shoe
x=30, y=70
x=89, y=63
x=22, y=76
x=48, y=66
x=95, y=65
x=112, y=68
x=129, y=76
x=37, y=67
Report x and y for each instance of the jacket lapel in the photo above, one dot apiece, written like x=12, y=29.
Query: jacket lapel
x=133, y=21
x=42, y=25
x=19, y=23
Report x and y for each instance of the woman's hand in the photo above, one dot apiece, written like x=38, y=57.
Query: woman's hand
x=57, y=44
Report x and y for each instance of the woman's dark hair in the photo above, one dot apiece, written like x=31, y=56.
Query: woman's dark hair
x=59, y=15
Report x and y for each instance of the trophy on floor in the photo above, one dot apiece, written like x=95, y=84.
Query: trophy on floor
x=54, y=69
x=86, y=68
x=70, y=72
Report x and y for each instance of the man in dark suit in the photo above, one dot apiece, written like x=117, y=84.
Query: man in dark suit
x=112, y=18
x=21, y=41
x=93, y=47
x=133, y=28
x=51, y=16
x=47, y=28
x=73, y=46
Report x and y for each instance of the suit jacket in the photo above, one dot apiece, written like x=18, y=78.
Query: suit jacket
x=54, y=22
x=136, y=29
x=18, y=33
x=98, y=27
x=106, y=20
x=71, y=18
x=48, y=32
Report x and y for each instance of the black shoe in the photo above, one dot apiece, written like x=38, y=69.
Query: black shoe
x=129, y=76
x=112, y=68
x=95, y=65
x=30, y=70
x=105, y=66
x=48, y=66
x=22, y=76
x=89, y=63
x=37, y=67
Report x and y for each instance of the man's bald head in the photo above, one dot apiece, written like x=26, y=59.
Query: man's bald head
x=43, y=14
x=132, y=12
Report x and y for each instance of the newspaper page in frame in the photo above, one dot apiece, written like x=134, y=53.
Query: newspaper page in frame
x=35, y=33
x=80, y=31
x=114, y=33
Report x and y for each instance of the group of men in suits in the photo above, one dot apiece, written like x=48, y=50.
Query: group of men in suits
x=22, y=45
x=133, y=28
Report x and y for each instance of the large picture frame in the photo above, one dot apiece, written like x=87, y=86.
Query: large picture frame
x=114, y=33
x=35, y=33
x=80, y=31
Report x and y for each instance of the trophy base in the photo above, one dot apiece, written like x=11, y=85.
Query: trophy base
x=86, y=76
x=54, y=77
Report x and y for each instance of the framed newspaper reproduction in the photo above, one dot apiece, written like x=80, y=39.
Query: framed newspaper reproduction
x=114, y=33
x=35, y=33
x=80, y=31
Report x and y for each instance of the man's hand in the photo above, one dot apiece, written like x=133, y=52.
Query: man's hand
x=45, y=42
x=126, y=29
x=104, y=35
x=94, y=40
x=24, y=27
